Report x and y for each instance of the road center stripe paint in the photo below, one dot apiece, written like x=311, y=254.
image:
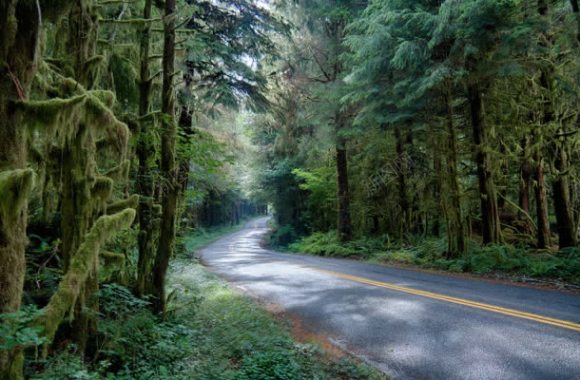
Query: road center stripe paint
x=460, y=301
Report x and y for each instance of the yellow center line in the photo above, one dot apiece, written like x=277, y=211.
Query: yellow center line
x=461, y=301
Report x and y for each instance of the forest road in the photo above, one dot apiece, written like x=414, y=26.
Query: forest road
x=410, y=324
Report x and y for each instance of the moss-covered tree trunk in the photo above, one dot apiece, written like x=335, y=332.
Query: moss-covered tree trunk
x=433, y=217
x=81, y=267
x=526, y=171
x=561, y=184
x=567, y=234
x=20, y=25
x=145, y=154
x=456, y=226
x=543, y=233
x=168, y=165
x=344, y=225
x=79, y=161
x=401, y=169
x=490, y=222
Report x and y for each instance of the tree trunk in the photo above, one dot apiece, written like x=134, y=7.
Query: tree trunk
x=490, y=223
x=145, y=154
x=78, y=165
x=168, y=166
x=541, y=199
x=542, y=205
x=20, y=26
x=437, y=187
x=524, y=191
x=344, y=226
x=560, y=184
x=562, y=201
x=402, y=181
x=576, y=10
x=456, y=228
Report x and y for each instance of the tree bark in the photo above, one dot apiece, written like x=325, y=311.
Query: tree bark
x=491, y=227
x=77, y=207
x=576, y=10
x=542, y=205
x=560, y=185
x=401, y=169
x=20, y=26
x=526, y=171
x=168, y=165
x=344, y=226
x=562, y=200
x=145, y=154
x=456, y=227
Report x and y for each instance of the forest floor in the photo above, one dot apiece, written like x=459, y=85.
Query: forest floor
x=240, y=338
x=212, y=331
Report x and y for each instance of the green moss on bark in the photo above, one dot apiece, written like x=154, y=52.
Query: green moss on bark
x=83, y=264
x=15, y=187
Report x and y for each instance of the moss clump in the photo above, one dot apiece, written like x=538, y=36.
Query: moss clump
x=15, y=186
x=131, y=202
x=83, y=264
x=119, y=172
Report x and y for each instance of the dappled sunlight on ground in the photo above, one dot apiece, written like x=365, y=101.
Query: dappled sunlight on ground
x=405, y=335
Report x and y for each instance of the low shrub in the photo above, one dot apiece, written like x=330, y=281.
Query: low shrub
x=430, y=253
x=282, y=236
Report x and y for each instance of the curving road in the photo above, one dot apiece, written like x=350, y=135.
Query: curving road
x=411, y=325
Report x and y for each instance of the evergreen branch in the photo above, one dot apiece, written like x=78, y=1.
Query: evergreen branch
x=130, y=21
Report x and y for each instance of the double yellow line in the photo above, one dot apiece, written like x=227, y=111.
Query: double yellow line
x=460, y=301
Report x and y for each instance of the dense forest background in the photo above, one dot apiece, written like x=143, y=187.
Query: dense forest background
x=438, y=133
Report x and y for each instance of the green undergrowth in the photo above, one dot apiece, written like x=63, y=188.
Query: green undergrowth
x=430, y=253
x=211, y=331
x=237, y=339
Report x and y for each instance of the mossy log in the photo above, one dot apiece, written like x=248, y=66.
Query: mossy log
x=83, y=264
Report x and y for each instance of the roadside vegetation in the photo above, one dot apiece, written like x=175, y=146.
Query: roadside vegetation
x=210, y=331
x=507, y=261
x=442, y=134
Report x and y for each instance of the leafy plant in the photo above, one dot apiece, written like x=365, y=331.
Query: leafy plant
x=17, y=330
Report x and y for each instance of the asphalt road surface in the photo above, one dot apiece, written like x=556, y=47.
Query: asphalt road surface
x=410, y=324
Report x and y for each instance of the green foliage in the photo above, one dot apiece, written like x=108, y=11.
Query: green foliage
x=430, y=253
x=18, y=331
x=282, y=236
x=236, y=339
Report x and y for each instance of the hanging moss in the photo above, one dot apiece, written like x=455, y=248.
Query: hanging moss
x=131, y=202
x=112, y=258
x=102, y=189
x=51, y=114
x=124, y=78
x=119, y=172
x=82, y=265
x=63, y=117
x=15, y=187
x=55, y=8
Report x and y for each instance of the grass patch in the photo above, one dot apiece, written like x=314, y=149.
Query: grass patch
x=237, y=339
x=429, y=253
